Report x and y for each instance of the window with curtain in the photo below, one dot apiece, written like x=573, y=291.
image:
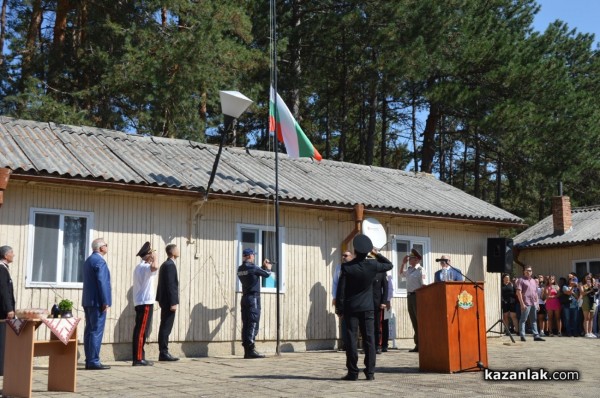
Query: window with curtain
x=59, y=242
x=261, y=239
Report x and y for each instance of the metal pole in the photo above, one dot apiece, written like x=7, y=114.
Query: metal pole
x=277, y=242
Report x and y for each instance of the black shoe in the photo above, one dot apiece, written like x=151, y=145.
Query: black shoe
x=252, y=354
x=523, y=338
x=97, y=367
x=369, y=376
x=379, y=351
x=384, y=349
x=167, y=357
x=350, y=377
x=143, y=362
x=416, y=349
x=538, y=339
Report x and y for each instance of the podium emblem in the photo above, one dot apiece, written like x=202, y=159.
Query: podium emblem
x=465, y=300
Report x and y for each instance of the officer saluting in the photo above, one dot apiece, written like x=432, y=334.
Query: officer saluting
x=249, y=275
x=354, y=301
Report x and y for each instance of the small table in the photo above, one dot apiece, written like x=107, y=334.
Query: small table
x=18, y=360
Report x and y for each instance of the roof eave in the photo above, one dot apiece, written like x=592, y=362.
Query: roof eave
x=198, y=194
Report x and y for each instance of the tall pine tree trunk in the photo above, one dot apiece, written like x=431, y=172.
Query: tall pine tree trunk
x=442, y=151
x=2, y=29
x=428, y=150
x=384, y=126
x=477, y=166
x=295, y=54
x=372, y=123
x=344, y=107
x=498, y=201
x=58, y=41
x=328, y=126
x=32, y=32
x=413, y=128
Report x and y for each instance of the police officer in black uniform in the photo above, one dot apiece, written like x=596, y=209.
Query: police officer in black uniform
x=354, y=301
x=249, y=275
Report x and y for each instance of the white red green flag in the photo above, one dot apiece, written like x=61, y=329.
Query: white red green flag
x=289, y=131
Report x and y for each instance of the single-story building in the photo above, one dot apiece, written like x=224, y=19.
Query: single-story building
x=72, y=184
x=566, y=241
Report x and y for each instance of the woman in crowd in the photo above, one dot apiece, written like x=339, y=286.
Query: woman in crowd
x=586, y=295
x=570, y=307
x=509, y=303
x=542, y=314
x=551, y=291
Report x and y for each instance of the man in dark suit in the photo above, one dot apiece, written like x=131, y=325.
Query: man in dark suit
x=7, y=297
x=379, y=300
x=167, y=296
x=354, y=301
x=96, y=300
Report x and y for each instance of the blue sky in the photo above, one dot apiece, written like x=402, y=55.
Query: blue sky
x=584, y=15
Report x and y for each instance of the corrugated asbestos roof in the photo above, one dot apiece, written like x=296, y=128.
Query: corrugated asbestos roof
x=45, y=149
x=585, y=230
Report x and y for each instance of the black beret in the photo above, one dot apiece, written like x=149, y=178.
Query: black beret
x=362, y=244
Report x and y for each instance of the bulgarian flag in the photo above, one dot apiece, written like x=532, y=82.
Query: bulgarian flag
x=289, y=131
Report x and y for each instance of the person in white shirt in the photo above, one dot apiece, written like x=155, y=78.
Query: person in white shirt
x=143, y=298
x=414, y=280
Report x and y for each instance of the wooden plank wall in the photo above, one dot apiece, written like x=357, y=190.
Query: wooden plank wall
x=209, y=309
x=558, y=261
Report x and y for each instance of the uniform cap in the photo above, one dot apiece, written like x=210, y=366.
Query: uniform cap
x=248, y=252
x=145, y=250
x=362, y=244
x=415, y=253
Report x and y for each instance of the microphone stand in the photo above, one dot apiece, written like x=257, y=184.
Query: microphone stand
x=479, y=365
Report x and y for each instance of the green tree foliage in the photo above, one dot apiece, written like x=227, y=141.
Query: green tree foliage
x=463, y=89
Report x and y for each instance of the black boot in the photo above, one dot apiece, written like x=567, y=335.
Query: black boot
x=250, y=353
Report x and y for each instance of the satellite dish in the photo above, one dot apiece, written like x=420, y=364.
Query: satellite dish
x=375, y=231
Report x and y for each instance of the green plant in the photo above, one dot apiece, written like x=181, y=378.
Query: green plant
x=65, y=305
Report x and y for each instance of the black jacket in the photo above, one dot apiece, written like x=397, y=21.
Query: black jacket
x=167, y=293
x=249, y=275
x=380, y=289
x=7, y=295
x=355, y=288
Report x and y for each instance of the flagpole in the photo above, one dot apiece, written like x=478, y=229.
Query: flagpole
x=277, y=242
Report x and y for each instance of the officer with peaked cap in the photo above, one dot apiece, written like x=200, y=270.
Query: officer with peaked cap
x=143, y=298
x=249, y=275
x=354, y=301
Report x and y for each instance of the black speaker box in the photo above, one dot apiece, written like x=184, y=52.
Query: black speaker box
x=500, y=255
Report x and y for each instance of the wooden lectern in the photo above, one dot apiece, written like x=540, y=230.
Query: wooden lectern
x=452, y=333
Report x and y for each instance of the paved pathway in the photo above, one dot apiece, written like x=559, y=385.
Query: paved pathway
x=316, y=374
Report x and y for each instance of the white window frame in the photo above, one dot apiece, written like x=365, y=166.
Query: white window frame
x=425, y=262
x=258, y=256
x=587, y=264
x=59, y=254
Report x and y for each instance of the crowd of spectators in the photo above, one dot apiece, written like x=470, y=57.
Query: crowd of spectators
x=567, y=307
